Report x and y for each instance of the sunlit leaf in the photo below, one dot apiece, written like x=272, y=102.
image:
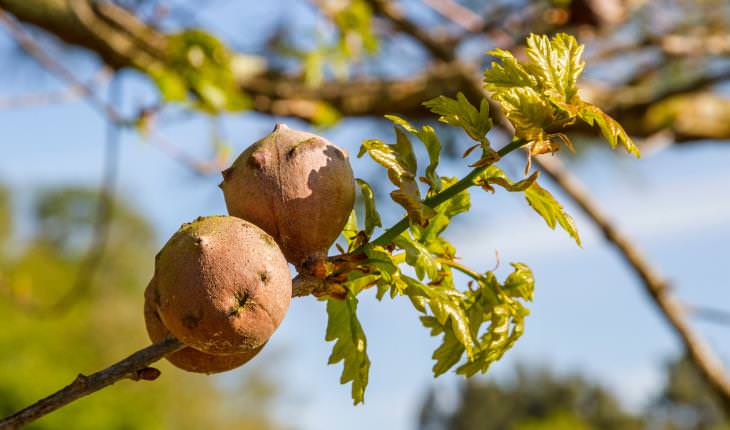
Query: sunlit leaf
x=551, y=210
x=372, y=217
x=461, y=113
x=350, y=345
x=610, y=129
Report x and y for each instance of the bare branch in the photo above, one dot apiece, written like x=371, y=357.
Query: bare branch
x=388, y=10
x=655, y=285
x=26, y=41
x=458, y=14
x=134, y=367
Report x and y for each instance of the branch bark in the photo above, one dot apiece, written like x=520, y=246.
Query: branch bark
x=280, y=94
x=709, y=365
x=134, y=367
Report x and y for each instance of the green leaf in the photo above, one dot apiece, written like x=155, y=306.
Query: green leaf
x=418, y=257
x=610, y=129
x=447, y=354
x=173, y=87
x=372, y=217
x=460, y=203
x=446, y=306
x=400, y=162
x=510, y=73
x=388, y=157
x=495, y=175
x=461, y=113
x=540, y=97
x=409, y=197
x=556, y=63
x=427, y=135
x=354, y=22
x=350, y=346
x=520, y=283
x=550, y=210
x=349, y=231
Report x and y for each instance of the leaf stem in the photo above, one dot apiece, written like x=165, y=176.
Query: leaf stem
x=461, y=268
x=467, y=181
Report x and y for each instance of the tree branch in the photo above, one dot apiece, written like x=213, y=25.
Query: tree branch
x=656, y=287
x=134, y=367
x=280, y=94
x=395, y=16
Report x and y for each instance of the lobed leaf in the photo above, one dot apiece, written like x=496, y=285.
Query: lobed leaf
x=551, y=210
x=350, y=345
x=461, y=113
x=540, y=97
x=610, y=129
x=372, y=217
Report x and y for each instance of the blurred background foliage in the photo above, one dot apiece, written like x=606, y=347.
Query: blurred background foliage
x=50, y=345
x=537, y=398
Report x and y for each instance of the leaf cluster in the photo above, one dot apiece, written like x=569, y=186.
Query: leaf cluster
x=540, y=96
x=412, y=259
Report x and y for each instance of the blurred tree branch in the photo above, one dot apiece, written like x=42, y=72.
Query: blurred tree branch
x=134, y=367
x=709, y=365
x=121, y=40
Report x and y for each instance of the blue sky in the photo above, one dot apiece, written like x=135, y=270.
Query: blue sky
x=589, y=315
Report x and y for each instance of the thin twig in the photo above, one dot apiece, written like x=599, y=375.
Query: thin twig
x=656, y=287
x=26, y=41
x=388, y=10
x=458, y=14
x=134, y=367
x=70, y=93
x=709, y=314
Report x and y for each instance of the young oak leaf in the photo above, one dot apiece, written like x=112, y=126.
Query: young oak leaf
x=556, y=63
x=400, y=162
x=350, y=345
x=372, y=217
x=419, y=257
x=537, y=197
x=461, y=113
x=610, y=129
x=447, y=308
x=540, y=97
x=520, y=283
x=551, y=210
x=427, y=136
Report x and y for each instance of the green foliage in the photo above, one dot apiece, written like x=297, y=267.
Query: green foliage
x=350, y=346
x=551, y=211
x=460, y=113
x=540, y=96
x=537, y=197
x=199, y=66
x=372, y=217
x=531, y=400
x=400, y=161
x=478, y=324
x=354, y=23
x=355, y=38
x=5, y=216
